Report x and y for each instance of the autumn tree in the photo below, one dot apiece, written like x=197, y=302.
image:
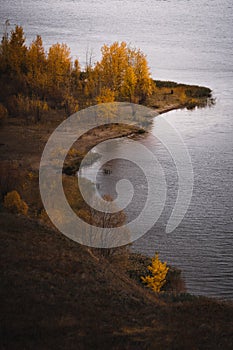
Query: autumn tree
x=88, y=79
x=144, y=83
x=33, y=81
x=76, y=84
x=157, y=274
x=36, y=62
x=129, y=84
x=125, y=72
x=17, y=51
x=13, y=67
x=5, y=51
x=59, y=67
x=106, y=95
x=110, y=70
x=61, y=76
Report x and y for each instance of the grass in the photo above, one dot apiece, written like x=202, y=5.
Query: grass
x=168, y=95
x=56, y=294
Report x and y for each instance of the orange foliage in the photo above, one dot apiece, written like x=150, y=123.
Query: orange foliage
x=14, y=203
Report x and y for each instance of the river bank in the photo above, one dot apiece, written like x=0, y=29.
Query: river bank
x=53, y=288
x=22, y=144
x=167, y=96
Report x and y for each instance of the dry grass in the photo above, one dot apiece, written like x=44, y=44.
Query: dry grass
x=56, y=295
x=170, y=95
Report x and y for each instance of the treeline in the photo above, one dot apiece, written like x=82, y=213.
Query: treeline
x=34, y=82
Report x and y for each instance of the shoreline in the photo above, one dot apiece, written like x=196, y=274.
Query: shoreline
x=58, y=293
x=72, y=164
x=167, y=96
x=22, y=144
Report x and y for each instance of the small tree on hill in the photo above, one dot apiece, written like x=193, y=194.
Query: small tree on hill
x=157, y=277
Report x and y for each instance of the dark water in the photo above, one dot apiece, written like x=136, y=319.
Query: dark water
x=186, y=41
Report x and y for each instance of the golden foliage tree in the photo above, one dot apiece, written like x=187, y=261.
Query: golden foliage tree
x=129, y=84
x=157, y=277
x=17, y=50
x=76, y=72
x=59, y=66
x=36, y=62
x=124, y=71
x=106, y=95
x=13, y=53
x=144, y=82
x=111, y=68
x=52, y=80
x=61, y=76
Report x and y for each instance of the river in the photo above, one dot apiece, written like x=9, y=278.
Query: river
x=185, y=41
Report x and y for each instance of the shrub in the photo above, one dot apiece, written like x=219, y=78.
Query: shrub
x=165, y=84
x=157, y=277
x=137, y=267
x=198, y=92
x=14, y=203
x=23, y=106
x=70, y=104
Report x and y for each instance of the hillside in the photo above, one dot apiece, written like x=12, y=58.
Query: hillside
x=56, y=294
